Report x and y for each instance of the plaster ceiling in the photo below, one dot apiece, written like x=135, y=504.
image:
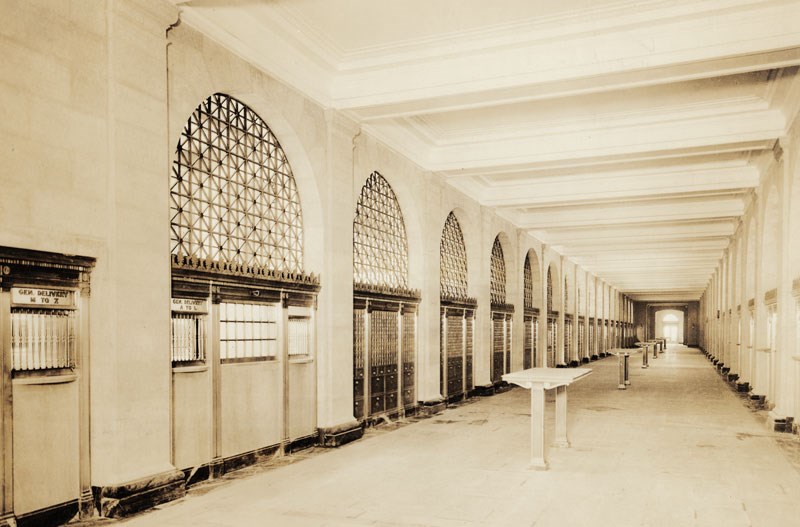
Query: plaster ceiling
x=627, y=135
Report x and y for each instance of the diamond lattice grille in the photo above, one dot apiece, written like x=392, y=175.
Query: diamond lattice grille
x=497, y=285
x=528, y=283
x=233, y=195
x=380, y=248
x=453, y=260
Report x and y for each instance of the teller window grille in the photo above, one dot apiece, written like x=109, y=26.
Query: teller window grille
x=44, y=328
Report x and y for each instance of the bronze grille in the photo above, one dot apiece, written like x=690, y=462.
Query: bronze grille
x=380, y=248
x=497, y=283
x=452, y=260
x=233, y=197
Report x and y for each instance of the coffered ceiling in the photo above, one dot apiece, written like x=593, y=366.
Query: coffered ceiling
x=627, y=135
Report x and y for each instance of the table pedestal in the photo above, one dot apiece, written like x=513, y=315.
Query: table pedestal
x=537, y=428
x=561, y=418
x=537, y=380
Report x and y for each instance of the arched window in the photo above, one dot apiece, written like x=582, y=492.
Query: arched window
x=528, y=283
x=233, y=198
x=497, y=284
x=453, y=260
x=457, y=314
x=531, y=317
x=384, y=354
x=380, y=248
x=501, y=314
x=669, y=317
x=236, y=219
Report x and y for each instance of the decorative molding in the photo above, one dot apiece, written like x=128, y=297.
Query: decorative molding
x=212, y=268
x=459, y=301
x=385, y=292
x=751, y=304
x=502, y=307
x=796, y=288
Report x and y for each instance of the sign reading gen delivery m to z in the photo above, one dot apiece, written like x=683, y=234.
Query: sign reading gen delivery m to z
x=32, y=296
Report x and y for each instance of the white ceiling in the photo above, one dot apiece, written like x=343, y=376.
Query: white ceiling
x=627, y=135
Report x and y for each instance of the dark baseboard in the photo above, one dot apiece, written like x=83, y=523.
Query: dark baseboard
x=585, y=360
x=573, y=364
x=336, y=436
x=485, y=390
x=122, y=500
x=595, y=357
x=235, y=462
x=435, y=406
x=47, y=517
x=742, y=387
x=502, y=387
x=301, y=443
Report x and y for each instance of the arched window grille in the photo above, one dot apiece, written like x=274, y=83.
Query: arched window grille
x=457, y=314
x=528, y=283
x=384, y=309
x=233, y=198
x=380, y=247
x=453, y=260
x=531, y=319
x=497, y=285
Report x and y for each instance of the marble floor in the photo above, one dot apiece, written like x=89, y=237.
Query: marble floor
x=678, y=448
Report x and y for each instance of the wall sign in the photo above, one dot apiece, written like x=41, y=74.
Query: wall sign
x=34, y=296
x=189, y=305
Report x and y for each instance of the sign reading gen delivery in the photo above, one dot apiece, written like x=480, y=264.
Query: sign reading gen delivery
x=31, y=296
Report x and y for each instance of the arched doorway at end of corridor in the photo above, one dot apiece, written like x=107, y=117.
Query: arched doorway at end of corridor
x=669, y=325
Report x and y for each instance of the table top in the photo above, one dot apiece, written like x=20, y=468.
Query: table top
x=622, y=351
x=548, y=378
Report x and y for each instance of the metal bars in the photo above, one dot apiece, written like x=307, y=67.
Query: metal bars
x=359, y=352
x=497, y=280
x=380, y=248
x=383, y=341
x=409, y=327
x=452, y=260
x=527, y=280
x=568, y=325
x=527, y=347
x=43, y=339
x=299, y=336
x=552, y=338
x=248, y=331
x=233, y=197
x=455, y=354
x=188, y=337
x=456, y=332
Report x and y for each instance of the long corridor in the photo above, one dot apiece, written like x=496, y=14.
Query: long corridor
x=677, y=448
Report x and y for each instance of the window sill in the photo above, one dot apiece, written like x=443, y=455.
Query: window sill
x=249, y=360
x=189, y=368
x=38, y=378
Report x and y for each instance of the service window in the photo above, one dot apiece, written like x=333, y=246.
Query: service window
x=248, y=332
x=43, y=328
x=299, y=336
x=188, y=330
